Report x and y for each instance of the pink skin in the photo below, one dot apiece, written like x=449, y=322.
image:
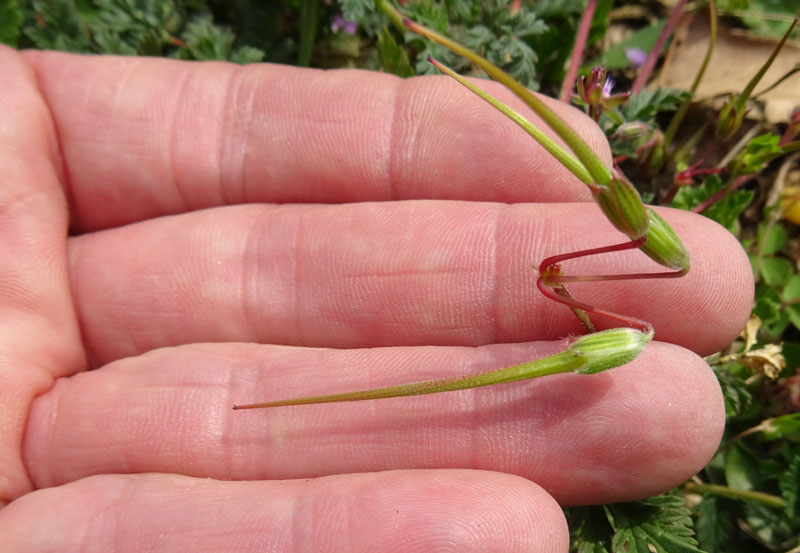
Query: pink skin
x=427, y=289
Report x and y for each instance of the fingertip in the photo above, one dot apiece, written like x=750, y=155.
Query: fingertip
x=669, y=415
x=720, y=283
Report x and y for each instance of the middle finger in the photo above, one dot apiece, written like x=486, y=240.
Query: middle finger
x=378, y=274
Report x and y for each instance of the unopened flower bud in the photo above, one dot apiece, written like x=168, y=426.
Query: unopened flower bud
x=730, y=118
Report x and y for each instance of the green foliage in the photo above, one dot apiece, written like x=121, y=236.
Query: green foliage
x=393, y=58
x=784, y=427
x=11, y=19
x=734, y=391
x=644, y=39
x=645, y=105
x=132, y=27
x=716, y=523
x=759, y=151
x=789, y=483
x=770, y=309
x=205, y=41
x=661, y=524
x=778, y=294
x=762, y=17
x=528, y=43
x=726, y=211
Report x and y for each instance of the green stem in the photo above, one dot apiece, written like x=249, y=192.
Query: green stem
x=672, y=128
x=597, y=169
x=565, y=361
x=742, y=98
x=309, y=16
x=745, y=433
x=563, y=156
x=733, y=493
x=584, y=355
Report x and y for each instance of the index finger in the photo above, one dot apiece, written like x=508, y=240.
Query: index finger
x=147, y=137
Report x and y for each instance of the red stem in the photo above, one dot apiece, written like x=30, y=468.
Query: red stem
x=632, y=322
x=555, y=259
x=543, y=282
x=577, y=52
x=652, y=57
x=711, y=200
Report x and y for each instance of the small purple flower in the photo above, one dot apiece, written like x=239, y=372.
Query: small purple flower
x=636, y=56
x=608, y=86
x=340, y=23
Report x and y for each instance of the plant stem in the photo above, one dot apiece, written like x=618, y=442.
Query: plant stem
x=565, y=361
x=551, y=284
x=652, y=57
x=563, y=156
x=744, y=433
x=714, y=198
x=577, y=52
x=309, y=16
x=672, y=128
x=748, y=90
x=733, y=493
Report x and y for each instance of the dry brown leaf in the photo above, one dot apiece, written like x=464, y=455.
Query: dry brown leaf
x=736, y=58
x=767, y=361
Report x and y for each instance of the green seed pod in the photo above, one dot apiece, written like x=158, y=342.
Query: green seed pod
x=663, y=245
x=730, y=118
x=623, y=206
x=609, y=348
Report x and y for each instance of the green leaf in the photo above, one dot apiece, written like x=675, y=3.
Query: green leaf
x=58, y=27
x=661, y=524
x=791, y=291
x=767, y=303
x=793, y=312
x=393, y=58
x=771, y=526
x=726, y=211
x=774, y=240
x=11, y=18
x=775, y=270
x=354, y=10
x=206, y=41
x=734, y=392
x=590, y=530
x=600, y=20
x=768, y=18
x=716, y=523
x=644, y=39
x=741, y=469
x=785, y=426
x=791, y=352
x=789, y=483
x=645, y=105
x=759, y=151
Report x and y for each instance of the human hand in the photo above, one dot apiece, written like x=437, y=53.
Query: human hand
x=177, y=274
